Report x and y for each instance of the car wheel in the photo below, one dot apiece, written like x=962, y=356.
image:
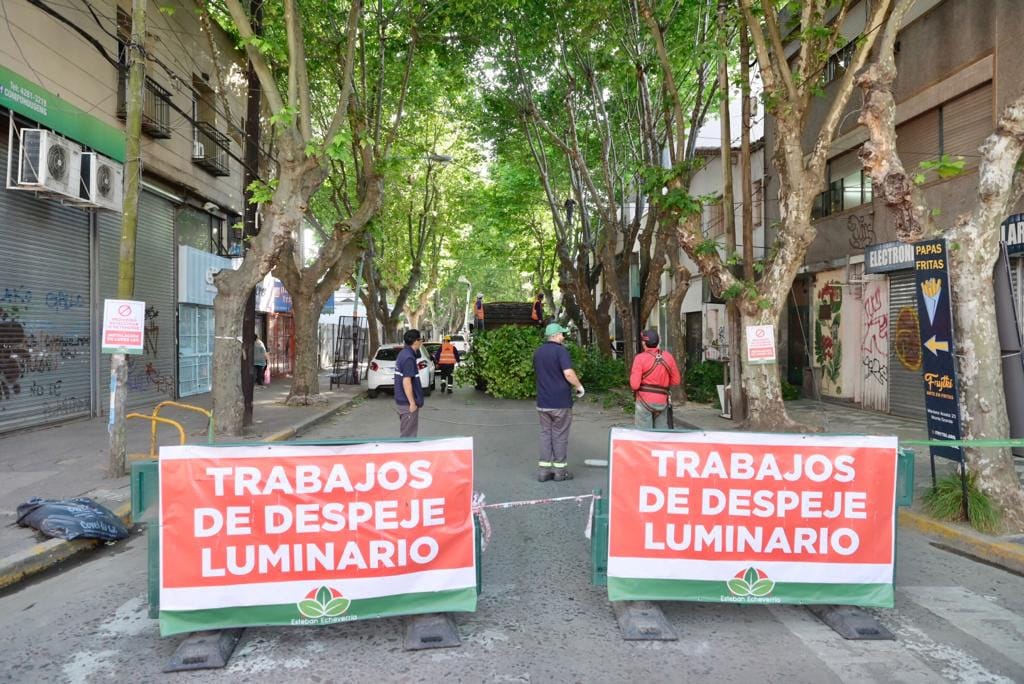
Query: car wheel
x=427, y=391
x=372, y=393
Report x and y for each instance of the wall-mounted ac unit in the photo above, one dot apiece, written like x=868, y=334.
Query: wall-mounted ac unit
x=198, y=150
x=49, y=163
x=102, y=181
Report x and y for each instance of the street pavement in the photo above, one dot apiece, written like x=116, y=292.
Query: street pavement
x=539, y=619
x=70, y=460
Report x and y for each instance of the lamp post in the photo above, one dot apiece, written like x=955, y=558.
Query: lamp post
x=469, y=292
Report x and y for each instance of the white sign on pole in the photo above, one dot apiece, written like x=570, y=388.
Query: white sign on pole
x=761, y=344
x=123, y=326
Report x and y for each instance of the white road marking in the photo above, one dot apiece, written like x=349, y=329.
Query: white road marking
x=853, y=661
x=991, y=624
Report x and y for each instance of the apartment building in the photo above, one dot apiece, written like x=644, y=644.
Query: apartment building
x=63, y=94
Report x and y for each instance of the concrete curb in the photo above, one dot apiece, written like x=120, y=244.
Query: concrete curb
x=962, y=539
x=45, y=555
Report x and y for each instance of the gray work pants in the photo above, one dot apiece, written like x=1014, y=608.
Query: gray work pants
x=409, y=423
x=554, y=435
x=643, y=418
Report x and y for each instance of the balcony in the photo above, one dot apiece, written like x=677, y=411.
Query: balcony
x=156, y=106
x=210, y=149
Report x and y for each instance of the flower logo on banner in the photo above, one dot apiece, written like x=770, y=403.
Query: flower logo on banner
x=323, y=602
x=751, y=582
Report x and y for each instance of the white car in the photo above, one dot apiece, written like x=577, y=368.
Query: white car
x=381, y=375
x=461, y=342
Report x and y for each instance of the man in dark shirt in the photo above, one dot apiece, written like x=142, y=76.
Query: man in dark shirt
x=555, y=381
x=408, y=390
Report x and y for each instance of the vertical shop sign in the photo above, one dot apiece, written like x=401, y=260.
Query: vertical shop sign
x=935, y=316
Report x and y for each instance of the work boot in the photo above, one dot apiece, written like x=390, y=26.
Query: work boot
x=545, y=474
x=444, y=387
x=561, y=474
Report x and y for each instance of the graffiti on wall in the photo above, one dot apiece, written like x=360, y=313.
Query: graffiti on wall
x=862, y=231
x=907, y=339
x=828, y=348
x=874, y=344
x=32, y=359
x=143, y=375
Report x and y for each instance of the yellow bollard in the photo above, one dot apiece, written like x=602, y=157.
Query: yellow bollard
x=155, y=420
x=189, y=407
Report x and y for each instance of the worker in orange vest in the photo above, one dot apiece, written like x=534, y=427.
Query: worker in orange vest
x=446, y=357
x=478, y=312
x=537, y=313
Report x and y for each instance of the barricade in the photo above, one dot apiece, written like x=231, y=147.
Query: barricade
x=375, y=459
x=649, y=559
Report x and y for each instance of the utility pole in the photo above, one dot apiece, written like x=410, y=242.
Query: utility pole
x=117, y=464
x=254, y=95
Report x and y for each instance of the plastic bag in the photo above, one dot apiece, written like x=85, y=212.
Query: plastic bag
x=71, y=519
x=266, y=375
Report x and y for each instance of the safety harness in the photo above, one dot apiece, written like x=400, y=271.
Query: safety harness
x=654, y=389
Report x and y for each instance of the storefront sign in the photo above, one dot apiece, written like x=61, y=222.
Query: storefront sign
x=760, y=344
x=889, y=256
x=38, y=104
x=123, y=322
x=314, y=535
x=1012, y=233
x=196, y=270
x=935, y=316
x=732, y=517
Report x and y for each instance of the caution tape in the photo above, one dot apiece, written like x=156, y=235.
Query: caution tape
x=480, y=511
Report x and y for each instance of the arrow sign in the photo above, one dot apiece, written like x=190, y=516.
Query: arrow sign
x=934, y=346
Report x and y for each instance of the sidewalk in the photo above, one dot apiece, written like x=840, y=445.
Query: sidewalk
x=70, y=460
x=837, y=418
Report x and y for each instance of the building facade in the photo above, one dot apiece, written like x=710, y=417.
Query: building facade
x=852, y=329
x=62, y=142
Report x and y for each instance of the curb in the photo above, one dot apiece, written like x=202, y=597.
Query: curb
x=46, y=554
x=960, y=539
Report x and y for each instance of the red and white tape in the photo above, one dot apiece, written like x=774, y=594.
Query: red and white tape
x=480, y=510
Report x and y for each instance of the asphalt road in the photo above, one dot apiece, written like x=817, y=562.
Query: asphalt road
x=539, y=619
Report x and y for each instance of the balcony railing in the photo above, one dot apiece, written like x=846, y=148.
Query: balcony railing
x=210, y=149
x=156, y=106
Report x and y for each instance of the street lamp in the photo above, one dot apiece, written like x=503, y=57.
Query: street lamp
x=469, y=292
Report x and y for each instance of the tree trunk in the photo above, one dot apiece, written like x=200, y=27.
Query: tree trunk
x=117, y=464
x=761, y=383
x=228, y=404
x=676, y=333
x=982, y=401
x=305, y=387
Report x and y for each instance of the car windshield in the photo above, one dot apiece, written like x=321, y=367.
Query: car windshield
x=387, y=353
x=458, y=338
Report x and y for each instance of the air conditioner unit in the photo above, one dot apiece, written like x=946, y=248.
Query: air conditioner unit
x=49, y=163
x=198, y=150
x=102, y=182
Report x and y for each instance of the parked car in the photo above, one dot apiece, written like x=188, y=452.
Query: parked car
x=381, y=375
x=460, y=342
x=431, y=348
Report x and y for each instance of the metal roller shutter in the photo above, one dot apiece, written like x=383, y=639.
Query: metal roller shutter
x=150, y=375
x=44, y=308
x=906, y=390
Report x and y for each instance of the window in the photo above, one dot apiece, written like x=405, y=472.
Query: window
x=198, y=229
x=209, y=145
x=714, y=219
x=848, y=186
x=156, y=108
x=838, y=63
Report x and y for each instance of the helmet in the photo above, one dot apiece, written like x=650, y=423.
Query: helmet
x=447, y=338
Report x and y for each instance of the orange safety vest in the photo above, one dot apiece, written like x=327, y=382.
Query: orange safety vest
x=447, y=354
x=480, y=309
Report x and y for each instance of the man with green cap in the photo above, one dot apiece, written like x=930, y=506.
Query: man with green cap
x=555, y=382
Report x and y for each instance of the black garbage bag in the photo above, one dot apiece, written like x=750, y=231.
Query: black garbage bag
x=71, y=519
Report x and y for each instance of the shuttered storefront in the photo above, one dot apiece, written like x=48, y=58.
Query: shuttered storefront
x=44, y=308
x=150, y=374
x=906, y=390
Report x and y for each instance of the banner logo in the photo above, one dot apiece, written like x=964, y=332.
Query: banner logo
x=323, y=602
x=750, y=582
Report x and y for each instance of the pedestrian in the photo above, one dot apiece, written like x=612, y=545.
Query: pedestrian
x=555, y=382
x=653, y=373
x=537, y=314
x=446, y=357
x=259, y=360
x=408, y=389
x=478, y=312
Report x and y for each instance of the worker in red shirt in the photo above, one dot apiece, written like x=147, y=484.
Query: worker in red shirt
x=653, y=373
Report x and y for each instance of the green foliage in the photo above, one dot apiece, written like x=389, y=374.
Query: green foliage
x=944, y=167
x=702, y=380
x=597, y=373
x=261, y=192
x=706, y=248
x=789, y=392
x=503, y=359
x=945, y=502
